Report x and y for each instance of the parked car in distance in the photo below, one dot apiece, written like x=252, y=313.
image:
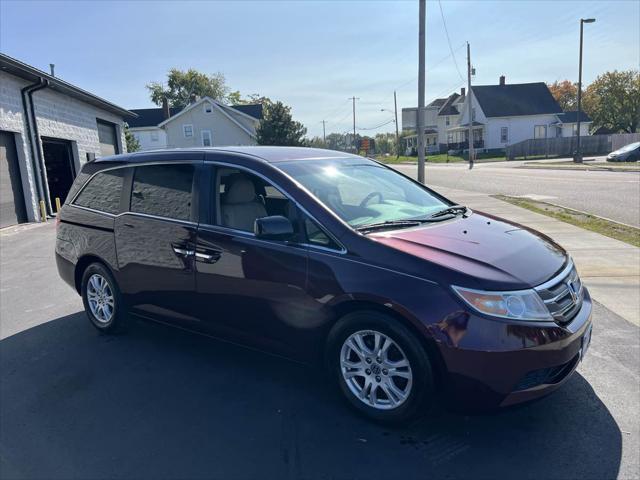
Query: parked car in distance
x=332, y=259
x=628, y=153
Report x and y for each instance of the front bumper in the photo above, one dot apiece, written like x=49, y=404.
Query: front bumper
x=504, y=363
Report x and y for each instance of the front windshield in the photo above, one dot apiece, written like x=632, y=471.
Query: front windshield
x=629, y=147
x=361, y=192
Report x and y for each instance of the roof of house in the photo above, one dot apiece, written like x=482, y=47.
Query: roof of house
x=32, y=74
x=572, y=117
x=152, y=117
x=516, y=99
x=448, y=108
x=438, y=102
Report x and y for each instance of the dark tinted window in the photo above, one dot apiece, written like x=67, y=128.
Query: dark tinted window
x=163, y=190
x=103, y=192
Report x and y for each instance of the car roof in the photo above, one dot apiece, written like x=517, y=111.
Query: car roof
x=265, y=153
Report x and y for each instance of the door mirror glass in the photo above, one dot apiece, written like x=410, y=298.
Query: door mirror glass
x=275, y=227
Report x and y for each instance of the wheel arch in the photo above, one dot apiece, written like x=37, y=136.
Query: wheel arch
x=433, y=353
x=81, y=266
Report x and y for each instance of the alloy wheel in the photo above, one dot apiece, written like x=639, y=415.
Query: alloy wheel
x=375, y=369
x=100, y=298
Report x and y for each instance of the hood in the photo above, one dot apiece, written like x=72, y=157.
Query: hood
x=489, y=249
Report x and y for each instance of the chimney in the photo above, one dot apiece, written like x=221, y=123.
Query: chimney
x=502, y=80
x=193, y=98
x=166, y=113
x=462, y=92
x=52, y=67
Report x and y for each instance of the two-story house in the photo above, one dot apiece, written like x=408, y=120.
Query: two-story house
x=205, y=122
x=502, y=115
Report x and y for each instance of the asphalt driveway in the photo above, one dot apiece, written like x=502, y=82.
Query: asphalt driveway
x=162, y=403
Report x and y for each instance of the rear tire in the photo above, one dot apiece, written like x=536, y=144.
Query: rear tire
x=102, y=299
x=380, y=367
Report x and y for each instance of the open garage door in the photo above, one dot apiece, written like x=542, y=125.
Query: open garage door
x=12, y=209
x=58, y=161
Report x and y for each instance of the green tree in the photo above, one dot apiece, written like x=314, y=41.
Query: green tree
x=613, y=101
x=277, y=127
x=131, y=142
x=565, y=93
x=182, y=85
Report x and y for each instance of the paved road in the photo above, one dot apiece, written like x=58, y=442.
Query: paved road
x=614, y=195
x=163, y=403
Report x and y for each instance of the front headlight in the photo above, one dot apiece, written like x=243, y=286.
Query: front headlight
x=518, y=305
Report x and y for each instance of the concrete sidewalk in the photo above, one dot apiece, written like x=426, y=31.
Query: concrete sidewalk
x=609, y=268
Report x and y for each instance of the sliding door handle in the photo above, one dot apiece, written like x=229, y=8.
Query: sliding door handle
x=182, y=252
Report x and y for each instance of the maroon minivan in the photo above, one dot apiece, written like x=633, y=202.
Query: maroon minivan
x=332, y=259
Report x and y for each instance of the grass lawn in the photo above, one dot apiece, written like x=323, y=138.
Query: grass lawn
x=624, y=233
x=439, y=158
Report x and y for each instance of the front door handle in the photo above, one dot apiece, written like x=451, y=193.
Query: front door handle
x=212, y=257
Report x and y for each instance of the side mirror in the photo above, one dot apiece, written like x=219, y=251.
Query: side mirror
x=275, y=227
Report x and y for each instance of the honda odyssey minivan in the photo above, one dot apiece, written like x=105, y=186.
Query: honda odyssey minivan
x=331, y=259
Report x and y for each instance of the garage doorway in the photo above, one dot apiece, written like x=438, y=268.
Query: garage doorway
x=12, y=208
x=58, y=162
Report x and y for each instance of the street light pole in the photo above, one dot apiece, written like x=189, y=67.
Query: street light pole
x=422, y=14
x=395, y=109
x=577, y=158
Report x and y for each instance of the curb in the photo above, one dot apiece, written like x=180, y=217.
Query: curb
x=581, y=212
x=589, y=169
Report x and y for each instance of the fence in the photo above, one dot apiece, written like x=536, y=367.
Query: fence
x=566, y=146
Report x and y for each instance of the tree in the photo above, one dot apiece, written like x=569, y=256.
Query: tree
x=131, y=142
x=181, y=86
x=565, y=93
x=613, y=101
x=277, y=127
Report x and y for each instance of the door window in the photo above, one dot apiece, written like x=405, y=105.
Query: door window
x=243, y=197
x=103, y=192
x=163, y=191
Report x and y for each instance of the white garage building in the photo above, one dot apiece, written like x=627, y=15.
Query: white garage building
x=48, y=129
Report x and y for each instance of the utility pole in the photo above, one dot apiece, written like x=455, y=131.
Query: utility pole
x=422, y=14
x=324, y=133
x=469, y=109
x=355, y=143
x=577, y=158
x=395, y=109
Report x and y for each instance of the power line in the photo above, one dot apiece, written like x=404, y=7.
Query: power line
x=377, y=126
x=431, y=67
x=446, y=31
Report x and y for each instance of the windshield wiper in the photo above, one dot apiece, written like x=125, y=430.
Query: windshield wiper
x=389, y=224
x=452, y=210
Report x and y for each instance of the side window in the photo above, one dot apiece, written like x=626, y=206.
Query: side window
x=316, y=236
x=103, y=192
x=242, y=197
x=163, y=191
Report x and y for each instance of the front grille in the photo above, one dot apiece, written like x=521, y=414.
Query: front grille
x=563, y=294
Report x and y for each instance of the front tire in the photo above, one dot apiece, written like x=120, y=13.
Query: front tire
x=102, y=299
x=380, y=366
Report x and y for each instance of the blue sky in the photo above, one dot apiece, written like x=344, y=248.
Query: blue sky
x=314, y=55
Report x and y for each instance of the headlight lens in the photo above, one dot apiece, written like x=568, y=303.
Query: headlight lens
x=519, y=305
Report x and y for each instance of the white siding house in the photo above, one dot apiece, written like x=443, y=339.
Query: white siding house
x=502, y=114
x=205, y=122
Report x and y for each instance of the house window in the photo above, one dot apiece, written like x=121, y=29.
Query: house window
x=206, y=138
x=208, y=108
x=447, y=121
x=504, y=134
x=188, y=131
x=473, y=114
x=575, y=129
x=449, y=138
x=540, y=131
x=154, y=136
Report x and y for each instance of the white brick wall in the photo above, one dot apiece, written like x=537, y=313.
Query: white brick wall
x=58, y=116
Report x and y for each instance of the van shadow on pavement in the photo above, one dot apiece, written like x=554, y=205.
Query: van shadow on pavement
x=163, y=403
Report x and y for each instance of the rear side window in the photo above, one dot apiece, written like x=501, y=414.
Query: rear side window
x=163, y=191
x=103, y=192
